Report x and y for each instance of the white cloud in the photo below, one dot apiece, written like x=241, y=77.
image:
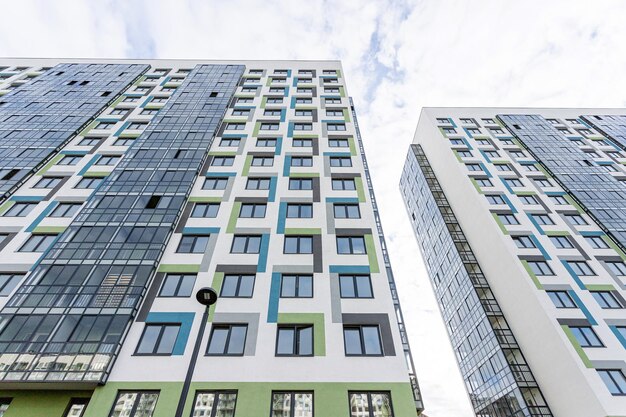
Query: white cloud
x=398, y=56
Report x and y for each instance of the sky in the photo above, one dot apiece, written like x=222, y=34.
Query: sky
x=398, y=56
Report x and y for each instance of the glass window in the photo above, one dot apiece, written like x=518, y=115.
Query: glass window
x=37, y=243
x=215, y=404
x=66, y=209
x=266, y=142
x=370, y=404
x=8, y=282
x=262, y=161
x=523, y=242
x=540, y=268
x=271, y=126
x=246, y=244
x=294, y=340
x=561, y=242
x=561, y=299
x=606, y=299
x=177, y=285
x=48, y=182
x=355, y=286
x=528, y=199
x=581, y=268
x=343, y=184
x=346, y=211
x=134, y=404
x=302, y=143
x=300, y=184
x=215, y=183
x=296, y=286
x=586, y=337
x=301, y=161
x=618, y=268
x=353, y=245
x=558, y=199
x=193, y=244
x=340, y=161
x=230, y=142
x=575, y=219
x=362, y=341
x=298, y=244
x=227, y=339
x=596, y=242
x=292, y=404
x=614, y=380
x=237, y=286
x=223, y=161
x=108, y=160
x=90, y=183
x=252, y=210
x=76, y=407
x=509, y=219
x=543, y=219
x=338, y=143
x=495, y=199
x=20, y=209
x=300, y=211
x=205, y=210
x=158, y=339
x=258, y=184
x=70, y=160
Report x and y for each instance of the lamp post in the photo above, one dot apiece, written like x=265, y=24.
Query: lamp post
x=207, y=297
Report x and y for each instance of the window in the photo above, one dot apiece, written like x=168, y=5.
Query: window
x=495, y=199
x=543, y=183
x=20, y=209
x=205, y=210
x=370, y=404
x=274, y=100
x=336, y=127
x=89, y=183
x=230, y=142
x=473, y=167
x=355, y=286
x=618, y=268
x=246, y=244
x=137, y=126
x=581, y=268
x=134, y=404
x=298, y=244
x=523, y=242
x=465, y=153
x=346, y=211
x=300, y=184
x=258, y=184
x=586, y=337
x=303, y=211
x=296, y=286
x=124, y=141
x=237, y=286
x=227, y=340
x=303, y=100
x=503, y=167
x=223, y=161
x=334, y=112
x=576, y=219
x=271, y=112
x=37, y=243
x=332, y=100
x=217, y=183
x=561, y=299
x=353, y=245
x=108, y=125
x=177, y=285
x=75, y=408
x=66, y=209
x=514, y=182
x=270, y=126
x=484, y=182
x=301, y=161
x=508, y=219
x=292, y=404
x=338, y=143
x=70, y=160
x=48, y=182
x=606, y=299
x=362, y=341
x=340, y=161
x=7, y=283
x=235, y=126
x=302, y=143
x=302, y=126
x=107, y=160
x=596, y=242
x=193, y=244
x=561, y=242
x=528, y=199
x=558, y=200
x=540, y=268
x=262, y=161
x=614, y=380
x=251, y=210
x=158, y=339
x=266, y=143
x=89, y=141
x=215, y=404
x=343, y=184
x=294, y=340
x=305, y=113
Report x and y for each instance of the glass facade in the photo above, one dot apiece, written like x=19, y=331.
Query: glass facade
x=67, y=321
x=496, y=375
x=40, y=116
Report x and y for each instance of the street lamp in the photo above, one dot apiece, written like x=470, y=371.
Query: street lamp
x=206, y=296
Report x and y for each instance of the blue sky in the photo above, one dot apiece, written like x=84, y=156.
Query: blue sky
x=398, y=56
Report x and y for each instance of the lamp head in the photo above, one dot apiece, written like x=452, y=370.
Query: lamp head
x=206, y=296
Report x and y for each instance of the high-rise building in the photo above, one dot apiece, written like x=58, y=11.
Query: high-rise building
x=127, y=186
x=520, y=215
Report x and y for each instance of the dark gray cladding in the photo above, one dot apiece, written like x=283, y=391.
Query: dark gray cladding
x=39, y=117
x=94, y=277
x=598, y=192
